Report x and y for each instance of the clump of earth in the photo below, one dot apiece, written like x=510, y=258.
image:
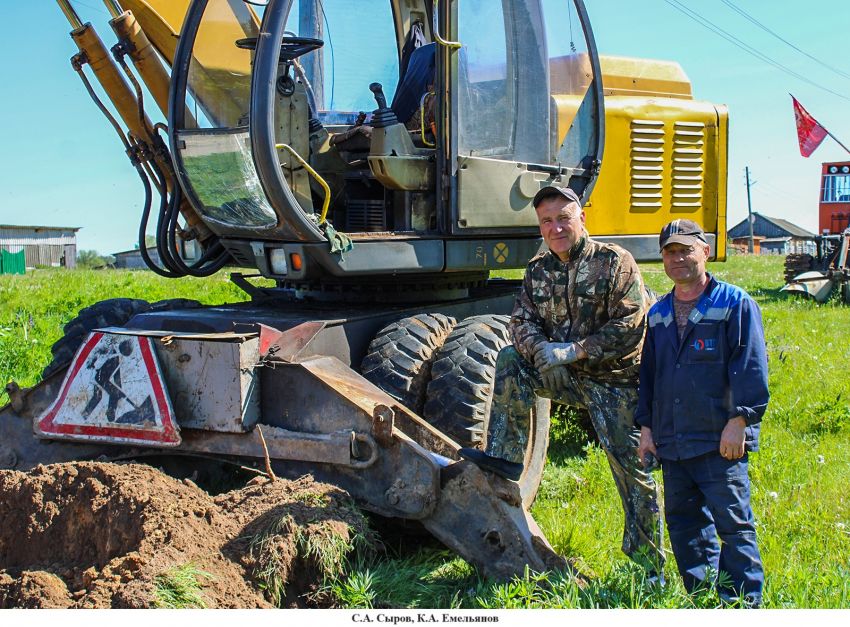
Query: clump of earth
x=98, y=535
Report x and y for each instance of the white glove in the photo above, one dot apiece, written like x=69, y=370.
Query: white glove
x=555, y=379
x=550, y=354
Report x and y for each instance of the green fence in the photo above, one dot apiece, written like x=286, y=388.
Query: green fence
x=12, y=263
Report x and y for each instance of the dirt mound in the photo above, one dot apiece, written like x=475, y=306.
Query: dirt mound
x=126, y=535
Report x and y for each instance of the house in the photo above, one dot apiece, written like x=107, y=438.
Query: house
x=132, y=259
x=772, y=236
x=47, y=246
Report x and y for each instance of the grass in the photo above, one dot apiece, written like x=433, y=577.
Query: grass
x=180, y=588
x=799, y=477
x=34, y=308
x=284, y=544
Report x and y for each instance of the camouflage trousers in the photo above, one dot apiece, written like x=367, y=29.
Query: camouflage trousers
x=611, y=411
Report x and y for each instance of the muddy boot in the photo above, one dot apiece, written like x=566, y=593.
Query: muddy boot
x=501, y=467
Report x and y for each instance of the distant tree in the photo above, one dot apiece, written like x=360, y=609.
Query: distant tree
x=92, y=259
x=150, y=242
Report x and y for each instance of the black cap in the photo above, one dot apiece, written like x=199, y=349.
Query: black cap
x=551, y=191
x=685, y=232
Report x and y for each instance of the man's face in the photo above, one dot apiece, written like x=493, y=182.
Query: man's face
x=685, y=264
x=561, y=224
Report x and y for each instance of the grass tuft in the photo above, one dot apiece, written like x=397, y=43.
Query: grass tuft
x=180, y=588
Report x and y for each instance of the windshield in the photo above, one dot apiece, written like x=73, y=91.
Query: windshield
x=340, y=71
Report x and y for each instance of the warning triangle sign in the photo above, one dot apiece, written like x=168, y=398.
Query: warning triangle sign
x=113, y=392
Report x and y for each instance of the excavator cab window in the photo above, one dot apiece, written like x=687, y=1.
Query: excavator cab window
x=414, y=119
x=213, y=140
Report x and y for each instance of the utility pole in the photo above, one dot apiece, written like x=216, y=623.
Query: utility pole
x=751, y=248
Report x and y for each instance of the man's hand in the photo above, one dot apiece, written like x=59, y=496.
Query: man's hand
x=550, y=354
x=556, y=378
x=732, y=438
x=646, y=444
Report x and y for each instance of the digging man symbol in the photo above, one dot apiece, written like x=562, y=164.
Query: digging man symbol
x=577, y=329
x=107, y=379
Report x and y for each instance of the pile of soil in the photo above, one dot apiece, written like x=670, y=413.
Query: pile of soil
x=95, y=535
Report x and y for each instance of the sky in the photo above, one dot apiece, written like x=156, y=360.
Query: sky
x=62, y=164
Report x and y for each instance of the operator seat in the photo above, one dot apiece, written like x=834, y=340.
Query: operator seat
x=418, y=79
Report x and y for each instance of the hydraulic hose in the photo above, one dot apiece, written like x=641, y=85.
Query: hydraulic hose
x=143, y=227
x=149, y=157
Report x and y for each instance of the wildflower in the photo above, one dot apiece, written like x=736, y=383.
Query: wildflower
x=773, y=495
x=820, y=459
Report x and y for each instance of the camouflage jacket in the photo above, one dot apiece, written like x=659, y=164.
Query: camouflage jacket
x=596, y=299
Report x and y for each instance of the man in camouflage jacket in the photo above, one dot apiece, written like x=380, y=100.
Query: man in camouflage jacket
x=577, y=330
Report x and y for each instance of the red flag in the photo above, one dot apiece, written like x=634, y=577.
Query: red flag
x=810, y=133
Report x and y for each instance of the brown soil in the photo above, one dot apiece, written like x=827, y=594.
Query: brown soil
x=93, y=535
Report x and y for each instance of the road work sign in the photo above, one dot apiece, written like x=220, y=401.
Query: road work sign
x=113, y=392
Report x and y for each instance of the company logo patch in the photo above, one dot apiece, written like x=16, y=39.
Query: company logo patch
x=704, y=345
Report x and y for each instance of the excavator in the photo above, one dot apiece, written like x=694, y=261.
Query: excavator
x=362, y=167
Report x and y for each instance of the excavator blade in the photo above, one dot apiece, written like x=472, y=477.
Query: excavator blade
x=318, y=416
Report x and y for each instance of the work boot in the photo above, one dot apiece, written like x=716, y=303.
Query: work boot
x=497, y=465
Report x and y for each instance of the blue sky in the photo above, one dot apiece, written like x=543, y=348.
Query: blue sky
x=61, y=164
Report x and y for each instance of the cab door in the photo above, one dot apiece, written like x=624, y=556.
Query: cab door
x=524, y=105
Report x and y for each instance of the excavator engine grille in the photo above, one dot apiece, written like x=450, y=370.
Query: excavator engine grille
x=365, y=216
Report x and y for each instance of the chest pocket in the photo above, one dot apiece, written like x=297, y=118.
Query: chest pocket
x=550, y=298
x=704, y=343
x=590, y=301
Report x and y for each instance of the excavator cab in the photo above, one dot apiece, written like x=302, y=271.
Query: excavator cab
x=330, y=140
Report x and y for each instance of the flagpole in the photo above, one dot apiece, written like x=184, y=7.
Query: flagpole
x=836, y=140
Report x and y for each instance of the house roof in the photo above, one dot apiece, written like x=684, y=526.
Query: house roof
x=32, y=227
x=783, y=225
x=792, y=229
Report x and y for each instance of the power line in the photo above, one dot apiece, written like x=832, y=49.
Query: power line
x=746, y=47
x=740, y=11
x=88, y=6
x=771, y=190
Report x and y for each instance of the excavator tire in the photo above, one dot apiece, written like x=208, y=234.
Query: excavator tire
x=112, y=312
x=797, y=264
x=174, y=303
x=399, y=359
x=460, y=394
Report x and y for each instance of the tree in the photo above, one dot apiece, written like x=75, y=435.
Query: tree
x=91, y=259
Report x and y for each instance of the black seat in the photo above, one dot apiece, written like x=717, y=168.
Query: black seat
x=416, y=81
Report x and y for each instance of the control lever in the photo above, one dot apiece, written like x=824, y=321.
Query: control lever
x=383, y=116
x=380, y=98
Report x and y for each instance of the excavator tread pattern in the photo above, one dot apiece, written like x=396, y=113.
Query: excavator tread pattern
x=399, y=359
x=460, y=393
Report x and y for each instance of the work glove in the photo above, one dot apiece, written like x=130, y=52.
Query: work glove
x=550, y=354
x=555, y=379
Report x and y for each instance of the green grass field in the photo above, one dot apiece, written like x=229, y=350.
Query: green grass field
x=799, y=478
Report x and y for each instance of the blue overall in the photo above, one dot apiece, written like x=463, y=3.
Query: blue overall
x=688, y=391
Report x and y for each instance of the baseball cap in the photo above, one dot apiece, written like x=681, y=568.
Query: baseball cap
x=685, y=232
x=555, y=190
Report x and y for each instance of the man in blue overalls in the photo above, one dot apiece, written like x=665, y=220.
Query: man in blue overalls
x=703, y=392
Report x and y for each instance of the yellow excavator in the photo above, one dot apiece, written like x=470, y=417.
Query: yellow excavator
x=376, y=160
